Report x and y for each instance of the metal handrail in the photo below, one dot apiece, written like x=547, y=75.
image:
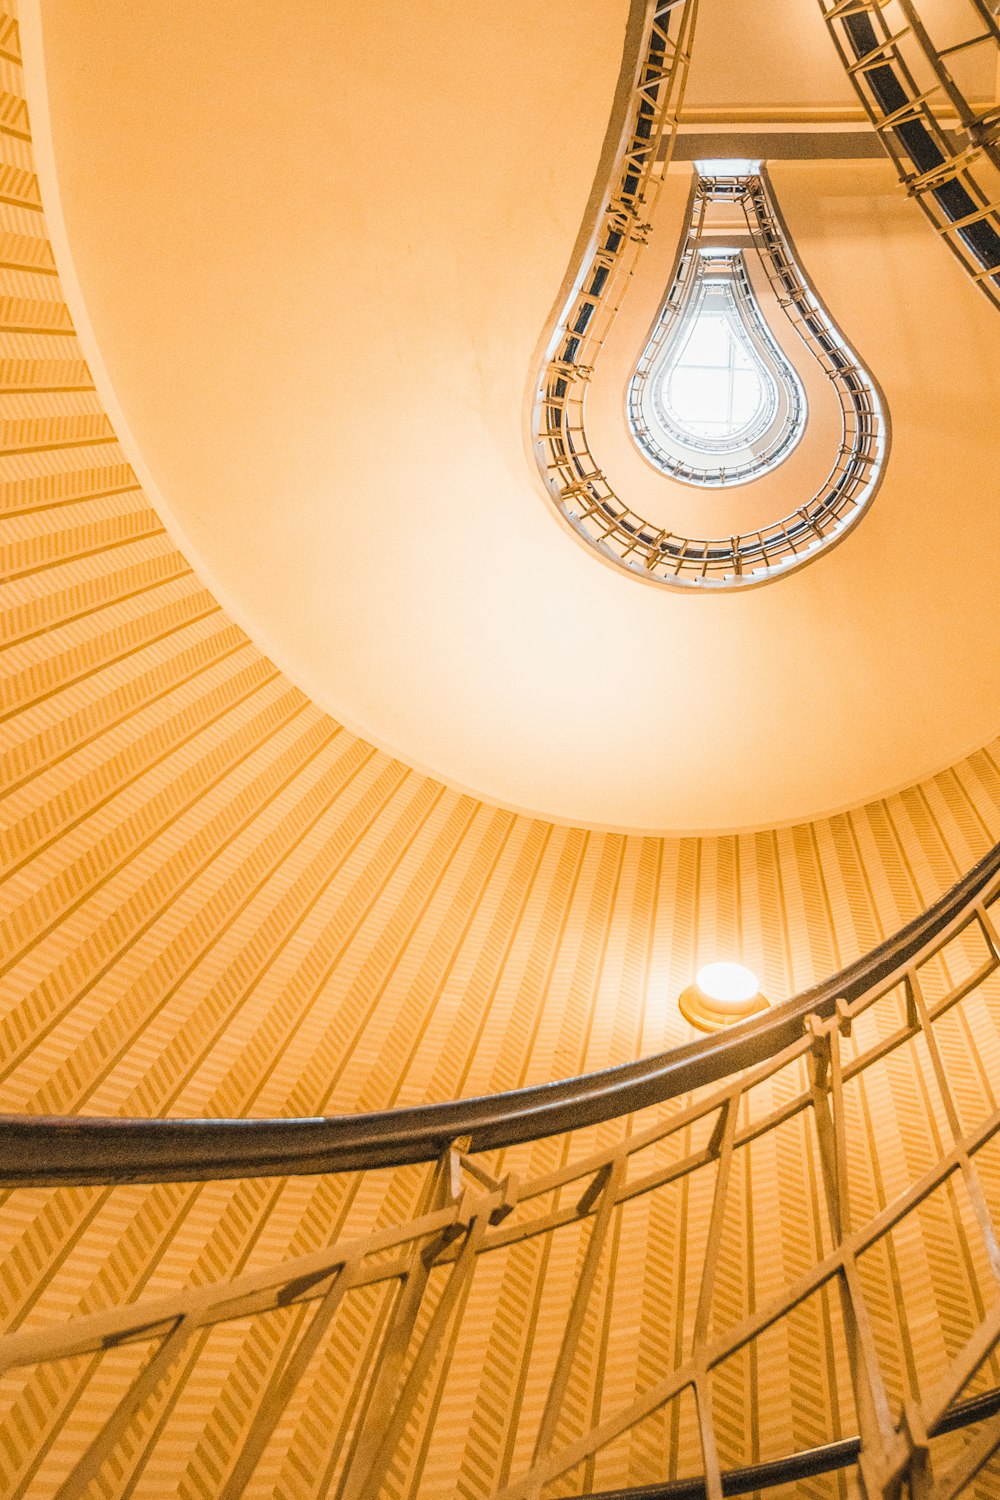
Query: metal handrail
x=584, y=495
x=806, y=1464
x=469, y=1208
x=950, y=166
x=87, y=1150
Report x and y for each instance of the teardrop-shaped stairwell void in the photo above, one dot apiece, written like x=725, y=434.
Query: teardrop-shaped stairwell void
x=716, y=399
x=713, y=400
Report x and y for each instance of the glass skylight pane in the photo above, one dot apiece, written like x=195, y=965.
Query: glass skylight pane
x=746, y=397
x=710, y=343
x=713, y=388
x=729, y=166
x=699, y=396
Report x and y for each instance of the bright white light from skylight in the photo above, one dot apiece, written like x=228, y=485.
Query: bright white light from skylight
x=713, y=389
x=728, y=166
x=714, y=399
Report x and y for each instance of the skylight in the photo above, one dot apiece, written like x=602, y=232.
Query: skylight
x=713, y=388
x=714, y=401
x=727, y=166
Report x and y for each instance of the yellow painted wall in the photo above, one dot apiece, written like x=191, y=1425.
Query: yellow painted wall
x=219, y=902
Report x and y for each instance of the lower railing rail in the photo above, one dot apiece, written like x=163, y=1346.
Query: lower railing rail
x=828, y=1459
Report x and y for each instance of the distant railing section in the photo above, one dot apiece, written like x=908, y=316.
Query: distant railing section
x=779, y=420
x=927, y=78
x=583, y=493
x=917, y=1005
x=572, y=475
x=859, y=459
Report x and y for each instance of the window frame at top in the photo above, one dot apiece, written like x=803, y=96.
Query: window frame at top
x=724, y=426
x=728, y=456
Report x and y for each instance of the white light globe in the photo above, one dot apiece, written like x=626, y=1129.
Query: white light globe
x=728, y=984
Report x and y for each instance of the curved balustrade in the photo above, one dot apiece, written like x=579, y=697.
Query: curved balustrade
x=80, y=1150
x=902, y=59
x=922, y=1006
x=716, y=288
x=581, y=490
x=865, y=1310
x=858, y=462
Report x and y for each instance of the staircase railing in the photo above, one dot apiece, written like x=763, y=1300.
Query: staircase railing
x=919, y=72
x=706, y=1121
x=47, y=1151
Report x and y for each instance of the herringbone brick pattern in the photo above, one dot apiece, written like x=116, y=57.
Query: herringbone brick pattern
x=217, y=901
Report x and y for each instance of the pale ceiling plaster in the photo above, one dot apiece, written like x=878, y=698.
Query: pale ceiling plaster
x=314, y=248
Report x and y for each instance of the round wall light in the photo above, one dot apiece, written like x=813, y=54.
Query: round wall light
x=722, y=994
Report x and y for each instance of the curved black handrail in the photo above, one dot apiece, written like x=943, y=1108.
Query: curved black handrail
x=85, y=1150
x=802, y=1465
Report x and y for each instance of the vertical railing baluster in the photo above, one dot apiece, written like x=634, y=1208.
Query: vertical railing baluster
x=390, y=1396
x=721, y=1145
x=367, y=1471
x=605, y=1186
x=281, y=1390
x=88, y=1466
x=706, y=1436
x=870, y=1398
x=917, y=1007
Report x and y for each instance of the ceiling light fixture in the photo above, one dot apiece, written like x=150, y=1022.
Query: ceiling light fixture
x=722, y=994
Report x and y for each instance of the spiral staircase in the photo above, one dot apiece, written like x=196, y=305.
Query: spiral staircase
x=763, y=1262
